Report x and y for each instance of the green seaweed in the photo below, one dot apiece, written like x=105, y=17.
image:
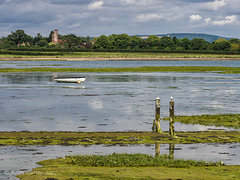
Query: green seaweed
x=79, y=138
x=226, y=120
x=182, y=69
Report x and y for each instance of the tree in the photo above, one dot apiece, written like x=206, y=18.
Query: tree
x=49, y=39
x=234, y=47
x=166, y=43
x=122, y=41
x=102, y=42
x=153, y=41
x=37, y=38
x=42, y=43
x=70, y=41
x=19, y=37
x=185, y=43
x=234, y=41
x=136, y=42
x=199, y=44
x=220, y=40
x=221, y=46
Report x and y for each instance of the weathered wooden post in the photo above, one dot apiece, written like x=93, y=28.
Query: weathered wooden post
x=171, y=118
x=156, y=121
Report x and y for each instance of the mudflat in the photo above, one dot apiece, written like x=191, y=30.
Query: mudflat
x=115, y=59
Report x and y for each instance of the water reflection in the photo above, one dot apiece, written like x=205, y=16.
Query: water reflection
x=19, y=159
x=120, y=101
x=170, y=152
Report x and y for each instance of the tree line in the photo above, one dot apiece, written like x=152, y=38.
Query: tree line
x=120, y=42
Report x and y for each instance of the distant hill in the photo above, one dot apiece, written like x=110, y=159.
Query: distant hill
x=190, y=36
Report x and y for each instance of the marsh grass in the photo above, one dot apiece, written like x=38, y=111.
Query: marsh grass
x=61, y=54
x=135, y=160
x=145, y=69
x=226, y=120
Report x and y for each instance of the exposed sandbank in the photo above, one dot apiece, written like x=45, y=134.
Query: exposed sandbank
x=114, y=59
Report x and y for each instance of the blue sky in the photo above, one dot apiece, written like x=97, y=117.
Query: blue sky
x=98, y=17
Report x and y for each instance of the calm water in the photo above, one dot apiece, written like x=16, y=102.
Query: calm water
x=102, y=64
x=111, y=102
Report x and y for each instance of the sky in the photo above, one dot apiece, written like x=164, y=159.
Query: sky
x=133, y=17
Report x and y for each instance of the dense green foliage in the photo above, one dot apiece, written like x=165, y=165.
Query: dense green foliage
x=134, y=160
x=124, y=41
x=120, y=42
x=20, y=39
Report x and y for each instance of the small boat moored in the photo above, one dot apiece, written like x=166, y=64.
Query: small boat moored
x=70, y=79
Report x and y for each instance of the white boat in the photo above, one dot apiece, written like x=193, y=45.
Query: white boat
x=70, y=79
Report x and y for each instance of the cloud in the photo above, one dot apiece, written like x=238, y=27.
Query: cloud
x=207, y=20
x=194, y=18
x=75, y=25
x=119, y=16
x=227, y=20
x=215, y=5
x=107, y=19
x=148, y=17
x=96, y=5
x=128, y=1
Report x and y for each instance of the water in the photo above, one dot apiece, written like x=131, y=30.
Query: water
x=112, y=64
x=16, y=160
x=111, y=102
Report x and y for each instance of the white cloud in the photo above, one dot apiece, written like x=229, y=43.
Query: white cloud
x=207, y=20
x=148, y=17
x=96, y=5
x=194, y=18
x=128, y=1
x=215, y=5
x=227, y=20
x=119, y=16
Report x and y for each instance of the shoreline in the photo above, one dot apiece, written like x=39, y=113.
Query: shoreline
x=114, y=59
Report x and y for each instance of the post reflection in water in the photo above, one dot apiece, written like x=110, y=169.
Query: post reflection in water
x=170, y=150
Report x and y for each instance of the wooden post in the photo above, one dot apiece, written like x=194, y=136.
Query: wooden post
x=171, y=118
x=156, y=121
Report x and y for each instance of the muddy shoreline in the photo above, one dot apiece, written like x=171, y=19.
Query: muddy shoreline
x=114, y=59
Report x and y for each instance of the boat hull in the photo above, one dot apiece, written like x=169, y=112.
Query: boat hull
x=70, y=80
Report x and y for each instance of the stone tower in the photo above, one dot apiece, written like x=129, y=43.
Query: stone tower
x=55, y=36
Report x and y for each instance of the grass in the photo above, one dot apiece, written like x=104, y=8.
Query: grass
x=63, y=169
x=135, y=160
x=123, y=55
x=182, y=69
x=226, y=120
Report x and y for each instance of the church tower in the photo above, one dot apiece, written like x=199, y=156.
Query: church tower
x=55, y=36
